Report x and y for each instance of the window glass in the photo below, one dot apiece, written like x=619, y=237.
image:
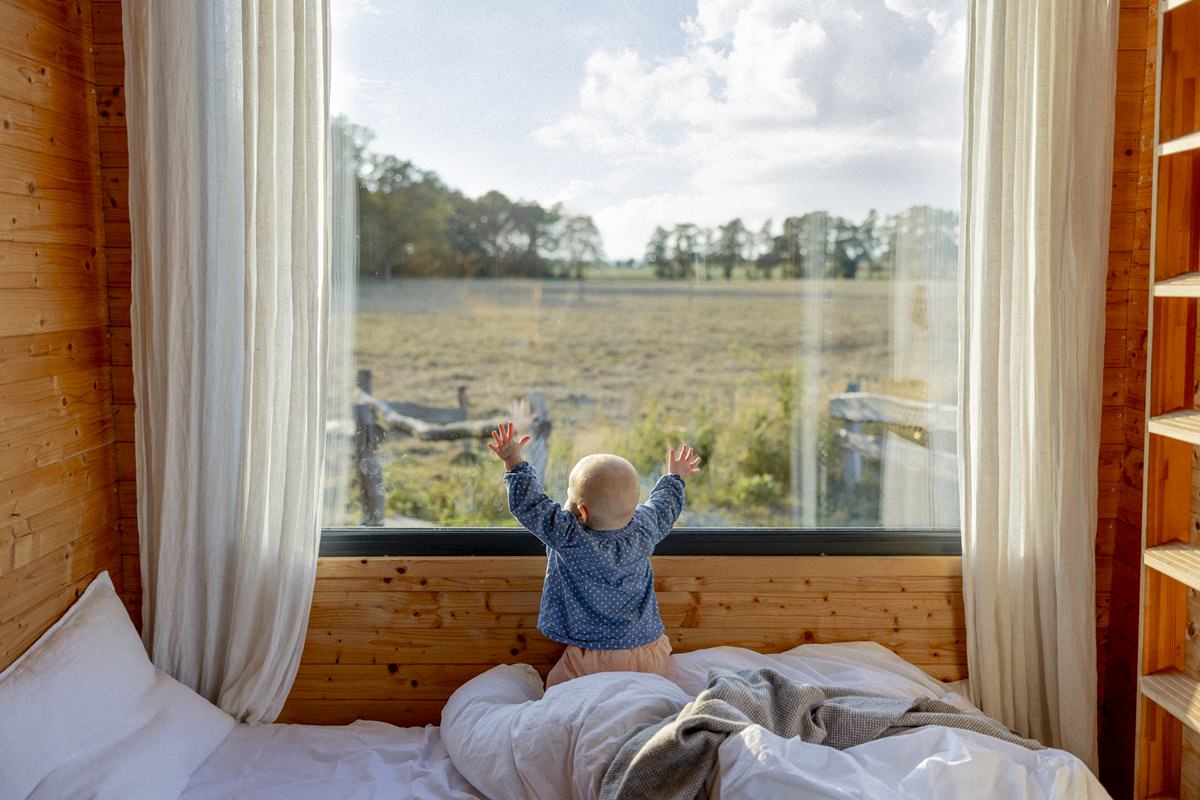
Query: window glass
x=625, y=225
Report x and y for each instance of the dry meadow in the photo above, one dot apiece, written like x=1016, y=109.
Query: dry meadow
x=626, y=366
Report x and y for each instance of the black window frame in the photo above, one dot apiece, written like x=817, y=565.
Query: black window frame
x=363, y=542
x=484, y=542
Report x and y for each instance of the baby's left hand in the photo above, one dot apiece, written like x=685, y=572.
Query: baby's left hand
x=685, y=464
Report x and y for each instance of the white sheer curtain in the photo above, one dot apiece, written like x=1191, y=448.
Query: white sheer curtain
x=1037, y=163
x=226, y=107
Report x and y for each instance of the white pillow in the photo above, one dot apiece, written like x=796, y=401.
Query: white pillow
x=84, y=714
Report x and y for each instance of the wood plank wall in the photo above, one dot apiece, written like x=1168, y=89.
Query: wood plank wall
x=114, y=195
x=391, y=638
x=1118, y=541
x=58, y=451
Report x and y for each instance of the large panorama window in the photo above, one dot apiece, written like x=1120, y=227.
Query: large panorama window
x=624, y=225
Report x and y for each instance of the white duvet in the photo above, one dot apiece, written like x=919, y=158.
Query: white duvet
x=513, y=741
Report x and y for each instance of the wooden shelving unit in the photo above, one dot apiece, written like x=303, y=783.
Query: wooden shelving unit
x=1168, y=719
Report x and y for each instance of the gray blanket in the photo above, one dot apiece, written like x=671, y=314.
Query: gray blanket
x=676, y=759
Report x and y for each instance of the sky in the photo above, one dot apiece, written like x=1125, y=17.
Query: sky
x=664, y=111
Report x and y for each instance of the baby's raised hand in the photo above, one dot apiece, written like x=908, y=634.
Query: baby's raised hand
x=685, y=464
x=506, y=446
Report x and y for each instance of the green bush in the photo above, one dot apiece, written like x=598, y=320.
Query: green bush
x=756, y=491
x=448, y=494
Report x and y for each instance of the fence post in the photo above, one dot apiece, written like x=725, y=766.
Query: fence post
x=851, y=459
x=367, y=436
x=463, y=408
x=536, y=451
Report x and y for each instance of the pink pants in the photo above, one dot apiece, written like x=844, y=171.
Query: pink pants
x=654, y=657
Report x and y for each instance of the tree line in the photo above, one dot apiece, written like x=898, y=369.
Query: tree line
x=411, y=224
x=921, y=241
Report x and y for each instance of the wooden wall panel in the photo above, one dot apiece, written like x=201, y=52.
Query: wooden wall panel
x=58, y=471
x=1118, y=539
x=114, y=197
x=391, y=638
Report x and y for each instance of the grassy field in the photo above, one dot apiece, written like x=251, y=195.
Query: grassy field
x=627, y=367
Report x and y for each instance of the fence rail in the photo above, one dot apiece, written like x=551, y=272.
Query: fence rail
x=938, y=421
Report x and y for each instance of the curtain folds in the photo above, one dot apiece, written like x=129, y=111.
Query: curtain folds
x=1037, y=163
x=227, y=117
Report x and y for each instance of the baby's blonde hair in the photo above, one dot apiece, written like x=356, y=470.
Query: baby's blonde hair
x=608, y=486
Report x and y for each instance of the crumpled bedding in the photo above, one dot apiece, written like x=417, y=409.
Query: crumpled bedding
x=677, y=758
x=512, y=741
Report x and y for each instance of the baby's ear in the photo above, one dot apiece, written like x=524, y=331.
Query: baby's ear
x=576, y=510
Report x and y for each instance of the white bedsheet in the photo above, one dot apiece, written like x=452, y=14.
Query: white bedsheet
x=362, y=761
x=515, y=743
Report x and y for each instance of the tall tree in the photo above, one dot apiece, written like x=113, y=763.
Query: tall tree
x=658, y=251
x=766, y=256
x=789, y=247
x=731, y=245
x=403, y=212
x=815, y=244
x=579, y=243
x=685, y=250
x=533, y=237
x=494, y=224
x=707, y=250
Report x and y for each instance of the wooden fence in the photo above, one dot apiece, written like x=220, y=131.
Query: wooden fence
x=375, y=420
x=935, y=424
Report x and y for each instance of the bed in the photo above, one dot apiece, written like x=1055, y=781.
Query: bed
x=83, y=713
x=513, y=740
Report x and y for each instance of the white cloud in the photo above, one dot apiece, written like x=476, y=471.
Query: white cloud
x=349, y=11
x=774, y=107
x=628, y=107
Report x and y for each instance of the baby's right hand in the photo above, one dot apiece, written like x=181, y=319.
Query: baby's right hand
x=506, y=447
x=685, y=464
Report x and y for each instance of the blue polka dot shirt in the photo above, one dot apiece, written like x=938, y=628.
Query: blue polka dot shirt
x=599, y=587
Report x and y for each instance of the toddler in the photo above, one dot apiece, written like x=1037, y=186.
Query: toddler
x=598, y=596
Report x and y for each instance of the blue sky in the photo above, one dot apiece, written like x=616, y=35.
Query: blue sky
x=663, y=111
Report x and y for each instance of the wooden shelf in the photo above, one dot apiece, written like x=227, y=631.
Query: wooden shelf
x=1177, y=561
x=1185, y=285
x=1177, y=694
x=1183, y=426
x=1183, y=144
x=1171, y=5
